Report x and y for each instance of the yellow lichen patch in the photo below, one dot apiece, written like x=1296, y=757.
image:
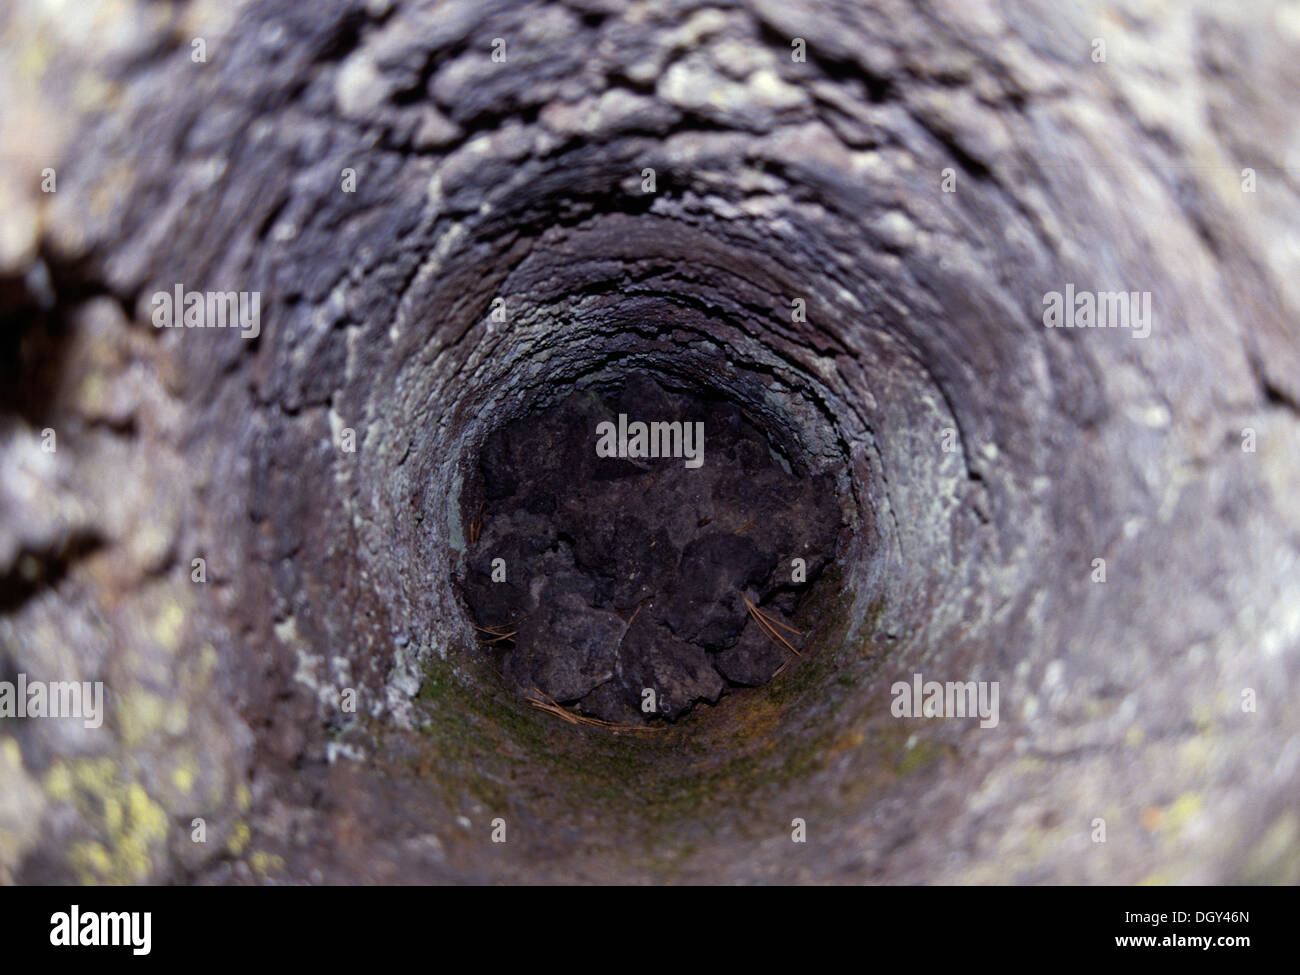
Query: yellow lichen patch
x=113, y=814
x=183, y=778
x=93, y=775
x=1183, y=809
x=132, y=827
x=1174, y=817
x=240, y=839
x=91, y=861
x=264, y=863
x=146, y=828
x=243, y=798
x=167, y=627
x=207, y=661
x=58, y=782
x=140, y=714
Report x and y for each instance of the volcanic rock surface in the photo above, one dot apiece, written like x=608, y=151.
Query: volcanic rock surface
x=257, y=545
x=620, y=576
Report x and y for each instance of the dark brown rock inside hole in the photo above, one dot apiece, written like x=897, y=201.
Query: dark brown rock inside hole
x=625, y=580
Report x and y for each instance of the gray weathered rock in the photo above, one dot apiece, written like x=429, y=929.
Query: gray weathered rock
x=986, y=461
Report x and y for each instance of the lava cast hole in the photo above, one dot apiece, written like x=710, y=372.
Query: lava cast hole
x=628, y=573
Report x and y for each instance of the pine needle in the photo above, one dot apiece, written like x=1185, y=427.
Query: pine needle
x=765, y=622
x=548, y=704
x=776, y=622
x=476, y=526
x=500, y=631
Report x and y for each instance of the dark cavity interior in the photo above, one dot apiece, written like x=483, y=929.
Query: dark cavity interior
x=632, y=588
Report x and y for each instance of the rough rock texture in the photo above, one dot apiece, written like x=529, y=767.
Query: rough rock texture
x=986, y=461
x=596, y=578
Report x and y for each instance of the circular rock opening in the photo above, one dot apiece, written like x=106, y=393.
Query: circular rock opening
x=641, y=548
x=270, y=538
